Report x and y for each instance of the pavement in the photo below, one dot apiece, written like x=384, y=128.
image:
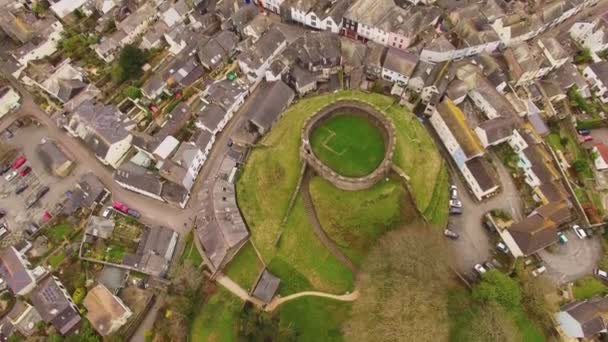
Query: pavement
x=475, y=244
x=572, y=260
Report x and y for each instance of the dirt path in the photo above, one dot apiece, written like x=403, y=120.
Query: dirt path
x=318, y=229
x=237, y=290
x=276, y=301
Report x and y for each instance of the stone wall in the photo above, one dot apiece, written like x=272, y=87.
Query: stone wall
x=384, y=125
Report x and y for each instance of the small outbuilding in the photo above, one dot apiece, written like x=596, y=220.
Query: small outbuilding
x=266, y=286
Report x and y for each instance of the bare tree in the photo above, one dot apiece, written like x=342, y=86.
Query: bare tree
x=403, y=287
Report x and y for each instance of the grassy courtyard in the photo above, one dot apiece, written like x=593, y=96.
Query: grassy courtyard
x=350, y=145
x=216, y=321
x=245, y=268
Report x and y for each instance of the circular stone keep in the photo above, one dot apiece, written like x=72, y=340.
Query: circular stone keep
x=350, y=145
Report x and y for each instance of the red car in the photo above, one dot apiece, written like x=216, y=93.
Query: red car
x=18, y=162
x=25, y=171
x=585, y=138
x=120, y=207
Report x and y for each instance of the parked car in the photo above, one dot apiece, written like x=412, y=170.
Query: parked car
x=455, y=211
x=32, y=228
x=583, y=131
x=18, y=162
x=585, y=138
x=502, y=247
x=3, y=230
x=562, y=237
x=488, y=226
x=4, y=169
x=539, y=271
x=453, y=192
x=603, y=275
x=36, y=197
x=133, y=213
x=455, y=204
x=479, y=269
x=11, y=175
x=450, y=234
x=579, y=231
x=107, y=212
x=25, y=171
x=123, y=208
x=21, y=188
x=488, y=265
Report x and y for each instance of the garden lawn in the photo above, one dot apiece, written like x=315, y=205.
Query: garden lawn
x=245, y=268
x=58, y=232
x=217, y=318
x=314, y=319
x=355, y=220
x=56, y=259
x=191, y=254
x=350, y=145
x=588, y=287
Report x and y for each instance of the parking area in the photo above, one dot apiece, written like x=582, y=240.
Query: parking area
x=26, y=139
x=571, y=260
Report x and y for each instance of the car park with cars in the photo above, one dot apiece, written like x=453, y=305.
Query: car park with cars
x=24, y=171
x=36, y=197
x=18, y=162
x=11, y=175
x=562, y=238
x=538, y=271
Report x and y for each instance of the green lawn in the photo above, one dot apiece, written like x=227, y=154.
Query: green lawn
x=191, y=253
x=56, y=259
x=314, y=319
x=588, y=287
x=114, y=254
x=58, y=232
x=436, y=211
x=217, y=318
x=245, y=267
x=355, y=220
x=350, y=145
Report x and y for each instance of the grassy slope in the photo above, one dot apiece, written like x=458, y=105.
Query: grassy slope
x=588, y=287
x=216, y=320
x=245, y=267
x=355, y=220
x=355, y=145
x=302, y=258
x=314, y=319
x=191, y=254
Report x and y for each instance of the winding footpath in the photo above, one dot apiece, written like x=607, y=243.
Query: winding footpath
x=276, y=301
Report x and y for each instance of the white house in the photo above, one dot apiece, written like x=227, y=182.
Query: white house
x=271, y=5
x=64, y=8
x=31, y=52
x=597, y=75
x=191, y=158
x=398, y=66
x=600, y=151
x=254, y=61
x=9, y=100
x=590, y=35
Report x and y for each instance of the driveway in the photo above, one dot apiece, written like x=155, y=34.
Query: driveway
x=475, y=245
x=572, y=260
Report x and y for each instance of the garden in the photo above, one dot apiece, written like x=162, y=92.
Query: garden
x=124, y=240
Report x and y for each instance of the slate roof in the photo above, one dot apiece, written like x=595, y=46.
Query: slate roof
x=113, y=278
x=211, y=116
x=600, y=69
x=51, y=155
x=55, y=306
x=177, y=119
x=266, y=287
x=213, y=51
x=225, y=93
x=100, y=227
x=589, y=314
x=105, y=120
x=400, y=61
x=480, y=170
x=14, y=270
x=261, y=51
x=154, y=251
x=269, y=102
x=138, y=177
x=92, y=188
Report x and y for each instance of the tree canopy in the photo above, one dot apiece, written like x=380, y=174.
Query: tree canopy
x=403, y=286
x=129, y=64
x=499, y=288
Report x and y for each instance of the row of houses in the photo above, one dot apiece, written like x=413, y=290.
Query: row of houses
x=43, y=298
x=479, y=27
